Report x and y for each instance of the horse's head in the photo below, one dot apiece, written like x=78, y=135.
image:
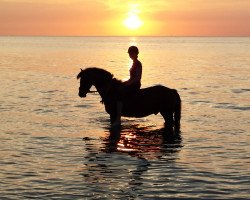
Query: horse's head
x=85, y=83
x=98, y=77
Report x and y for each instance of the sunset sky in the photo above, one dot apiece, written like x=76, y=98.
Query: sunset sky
x=125, y=17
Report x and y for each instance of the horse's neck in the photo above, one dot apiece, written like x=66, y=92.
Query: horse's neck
x=103, y=87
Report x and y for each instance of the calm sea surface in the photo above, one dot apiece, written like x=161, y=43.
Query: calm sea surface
x=55, y=145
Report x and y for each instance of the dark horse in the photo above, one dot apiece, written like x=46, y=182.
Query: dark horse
x=151, y=100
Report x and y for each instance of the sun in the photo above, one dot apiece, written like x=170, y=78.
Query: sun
x=133, y=22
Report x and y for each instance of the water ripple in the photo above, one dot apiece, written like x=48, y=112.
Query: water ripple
x=240, y=90
x=232, y=106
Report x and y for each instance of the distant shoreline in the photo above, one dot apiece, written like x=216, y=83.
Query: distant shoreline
x=124, y=36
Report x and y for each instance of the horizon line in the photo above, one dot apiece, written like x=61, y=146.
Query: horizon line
x=124, y=35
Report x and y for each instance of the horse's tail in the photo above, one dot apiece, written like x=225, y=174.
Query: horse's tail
x=177, y=113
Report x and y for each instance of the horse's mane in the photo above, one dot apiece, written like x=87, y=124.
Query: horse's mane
x=95, y=70
x=101, y=72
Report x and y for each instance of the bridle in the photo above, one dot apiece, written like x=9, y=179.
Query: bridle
x=102, y=89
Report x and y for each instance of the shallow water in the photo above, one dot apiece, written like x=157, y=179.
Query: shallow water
x=57, y=145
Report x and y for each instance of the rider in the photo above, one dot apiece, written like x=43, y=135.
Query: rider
x=132, y=85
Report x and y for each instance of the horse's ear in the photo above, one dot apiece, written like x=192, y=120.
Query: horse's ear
x=80, y=74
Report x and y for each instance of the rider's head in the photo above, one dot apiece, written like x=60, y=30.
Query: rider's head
x=133, y=52
x=133, y=49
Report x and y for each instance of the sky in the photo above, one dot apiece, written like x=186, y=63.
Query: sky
x=125, y=17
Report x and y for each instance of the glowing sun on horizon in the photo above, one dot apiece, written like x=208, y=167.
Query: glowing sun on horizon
x=133, y=22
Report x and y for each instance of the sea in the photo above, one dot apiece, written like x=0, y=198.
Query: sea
x=56, y=145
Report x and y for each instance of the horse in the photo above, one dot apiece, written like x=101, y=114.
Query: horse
x=147, y=101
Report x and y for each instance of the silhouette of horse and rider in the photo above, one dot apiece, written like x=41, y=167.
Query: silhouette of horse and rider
x=127, y=99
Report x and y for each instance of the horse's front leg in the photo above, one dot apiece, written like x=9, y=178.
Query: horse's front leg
x=111, y=110
x=112, y=118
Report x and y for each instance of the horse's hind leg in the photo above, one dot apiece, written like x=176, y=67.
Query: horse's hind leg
x=169, y=121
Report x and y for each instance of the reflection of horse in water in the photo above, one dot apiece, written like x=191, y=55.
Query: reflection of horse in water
x=147, y=101
x=119, y=163
x=142, y=141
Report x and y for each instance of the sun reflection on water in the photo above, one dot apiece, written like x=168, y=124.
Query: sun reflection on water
x=133, y=41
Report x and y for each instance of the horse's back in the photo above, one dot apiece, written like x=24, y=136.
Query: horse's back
x=150, y=100
x=156, y=90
